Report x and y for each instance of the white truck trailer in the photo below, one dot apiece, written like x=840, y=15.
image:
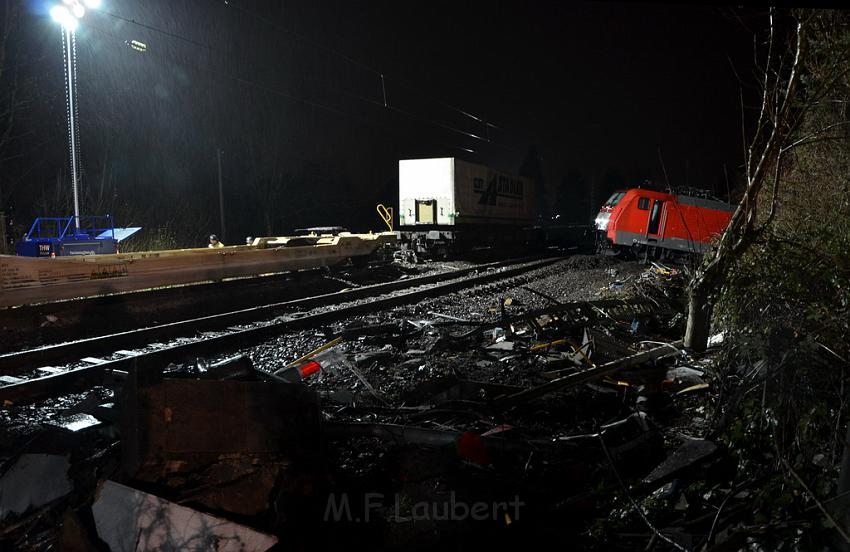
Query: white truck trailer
x=447, y=203
x=450, y=192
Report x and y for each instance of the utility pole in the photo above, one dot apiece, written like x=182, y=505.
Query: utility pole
x=3, y=238
x=2, y=225
x=221, y=199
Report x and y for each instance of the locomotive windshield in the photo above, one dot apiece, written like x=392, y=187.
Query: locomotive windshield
x=614, y=199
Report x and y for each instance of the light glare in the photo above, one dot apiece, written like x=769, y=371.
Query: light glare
x=138, y=46
x=92, y=4
x=78, y=10
x=58, y=13
x=63, y=16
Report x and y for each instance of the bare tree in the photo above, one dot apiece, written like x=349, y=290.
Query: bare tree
x=785, y=99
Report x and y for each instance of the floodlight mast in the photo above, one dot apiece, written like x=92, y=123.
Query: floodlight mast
x=68, y=15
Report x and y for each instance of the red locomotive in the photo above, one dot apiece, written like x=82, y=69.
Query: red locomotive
x=661, y=223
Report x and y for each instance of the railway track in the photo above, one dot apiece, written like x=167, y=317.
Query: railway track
x=12, y=363
x=28, y=380
x=40, y=372
x=37, y=325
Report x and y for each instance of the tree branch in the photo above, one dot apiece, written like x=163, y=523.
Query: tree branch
x=814, y=136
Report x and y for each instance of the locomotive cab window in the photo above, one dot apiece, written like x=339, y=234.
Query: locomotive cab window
x=614, y=199
x=643, y=204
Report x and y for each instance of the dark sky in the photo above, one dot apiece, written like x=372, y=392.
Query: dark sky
x=293, y=95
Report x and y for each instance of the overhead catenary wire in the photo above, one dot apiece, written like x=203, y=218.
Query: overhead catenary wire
x=158, y=30
x=234, y=4
x=284, y=94
x=382, y=102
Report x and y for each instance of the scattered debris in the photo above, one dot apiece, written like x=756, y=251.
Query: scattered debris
x=689, y=456
x=128, y=519
x=543, y=395
x=75, y=422
x=33, y=481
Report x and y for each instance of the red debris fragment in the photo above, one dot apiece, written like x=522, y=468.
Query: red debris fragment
x=309, y=369
x=470, y=446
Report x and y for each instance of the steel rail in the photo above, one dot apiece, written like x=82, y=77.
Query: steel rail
x=77, y=378
x=21, y=361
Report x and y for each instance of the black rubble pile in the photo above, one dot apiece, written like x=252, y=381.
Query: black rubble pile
x=561, y=411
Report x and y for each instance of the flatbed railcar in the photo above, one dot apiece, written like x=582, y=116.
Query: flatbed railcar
x=659, y=223
x=28, y=280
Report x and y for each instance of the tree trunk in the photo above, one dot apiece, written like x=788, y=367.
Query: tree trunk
x=699, y=318
x=776, y=124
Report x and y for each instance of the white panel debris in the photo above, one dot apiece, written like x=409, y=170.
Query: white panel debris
x=33, y=481
x=129, y=520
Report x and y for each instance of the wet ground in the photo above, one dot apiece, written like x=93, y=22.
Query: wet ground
x=416, y=436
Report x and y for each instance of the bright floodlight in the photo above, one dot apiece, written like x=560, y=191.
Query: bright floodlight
x=92, y=4
x=64, y=17
x=78, y=10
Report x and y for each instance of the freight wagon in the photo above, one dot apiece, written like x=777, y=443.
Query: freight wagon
x=661, y=224
x=447, y=204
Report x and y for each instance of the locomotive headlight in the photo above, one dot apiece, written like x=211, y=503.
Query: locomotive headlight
x=601, y=222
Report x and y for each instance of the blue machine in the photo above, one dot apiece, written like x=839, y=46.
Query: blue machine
x=56, y=237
